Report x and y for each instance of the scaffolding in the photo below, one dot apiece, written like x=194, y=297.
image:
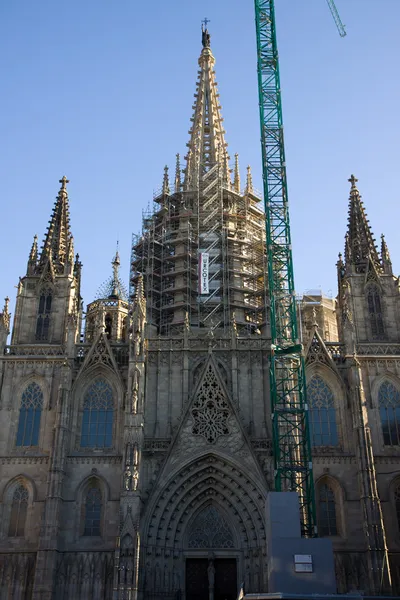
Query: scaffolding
x=214, y=220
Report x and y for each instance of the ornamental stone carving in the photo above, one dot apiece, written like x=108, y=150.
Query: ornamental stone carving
x=210, y=410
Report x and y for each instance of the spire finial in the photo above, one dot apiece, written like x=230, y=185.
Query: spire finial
x=205, y=36
x=249, y=181
x=115, y=267
x=236, y=177
x=165, y=188
x=178, y=174
x=64, y=182
x=353, y=180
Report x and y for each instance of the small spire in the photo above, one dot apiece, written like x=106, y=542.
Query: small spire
x=71, y=250
x=34, y=250
x=178, y=174
x=385, y=256
x=115, y=280
x=33, y=256
x=249, y=181
x=5, y=316
x=236, y=178
x=165, y=187
x=113, y=287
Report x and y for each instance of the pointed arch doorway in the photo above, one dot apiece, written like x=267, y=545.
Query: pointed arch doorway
x=211, y=557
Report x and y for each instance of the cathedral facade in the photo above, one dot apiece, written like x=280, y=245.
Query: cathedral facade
x=136, y=446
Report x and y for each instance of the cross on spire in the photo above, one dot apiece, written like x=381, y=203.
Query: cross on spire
x=205, y=21
x=64, y=182
x=353, y=180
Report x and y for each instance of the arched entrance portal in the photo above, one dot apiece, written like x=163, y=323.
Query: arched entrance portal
x=212, y=576
x=209, y=509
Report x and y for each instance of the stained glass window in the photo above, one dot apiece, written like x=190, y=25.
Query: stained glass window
x=389, y=409
x=19, y=508
x=43, y=318
x=327, y=511
x=375, y=312
x=29, y=416
x=97, y=421
x=92, y=512
x=210, y=530
x=322, y=413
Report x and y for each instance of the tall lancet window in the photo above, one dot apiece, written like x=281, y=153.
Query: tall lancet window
x=43, y=317
x=322, y=413
x=397, y=503
x=19, y=509
x=29, y=416
x=389, y=409
x=327, y=511
x=98, y=412
x=375, y=312
x=93, y=504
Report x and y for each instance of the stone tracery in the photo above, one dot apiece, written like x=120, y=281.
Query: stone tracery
x=210, y=409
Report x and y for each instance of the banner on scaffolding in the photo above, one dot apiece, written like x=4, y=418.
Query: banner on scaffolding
x=204, y=261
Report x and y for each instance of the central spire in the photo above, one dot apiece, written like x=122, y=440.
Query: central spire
x=207, y=145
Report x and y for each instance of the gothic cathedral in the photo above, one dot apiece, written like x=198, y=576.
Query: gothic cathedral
x=136, y=446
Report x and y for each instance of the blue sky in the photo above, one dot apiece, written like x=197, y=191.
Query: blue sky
x=102, y=91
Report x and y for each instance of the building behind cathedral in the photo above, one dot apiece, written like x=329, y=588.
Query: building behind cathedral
x=138, y=453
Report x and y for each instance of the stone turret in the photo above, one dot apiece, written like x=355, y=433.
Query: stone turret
x=109, y=312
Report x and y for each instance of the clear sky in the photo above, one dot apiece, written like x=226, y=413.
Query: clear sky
x=102, y=91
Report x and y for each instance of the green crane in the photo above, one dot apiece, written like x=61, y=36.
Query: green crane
x=290, y=429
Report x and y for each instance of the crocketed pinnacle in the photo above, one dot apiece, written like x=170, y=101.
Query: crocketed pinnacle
x=57, y=240
x=360, y=244
x=236, y=175
x=178, y=184
x=207, y=145
x=165, y=188
x=385, y=256
x=249, y=181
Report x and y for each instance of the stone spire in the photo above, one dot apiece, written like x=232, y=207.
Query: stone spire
x=33, y=256
x=114, y=287
x=249, y=181
x=207, y=144
x=385, y=257
x=165, y=188
x=236, y=176
x=57, y=240
x=178, y=184
x=360, y=243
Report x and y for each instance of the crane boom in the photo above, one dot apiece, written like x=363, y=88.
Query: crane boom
x=291, y=445
x=336, y=17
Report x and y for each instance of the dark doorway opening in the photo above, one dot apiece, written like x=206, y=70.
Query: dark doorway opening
x=225, y=579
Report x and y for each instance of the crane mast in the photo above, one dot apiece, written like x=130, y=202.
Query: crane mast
x=291, y=441
x=336, y=18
